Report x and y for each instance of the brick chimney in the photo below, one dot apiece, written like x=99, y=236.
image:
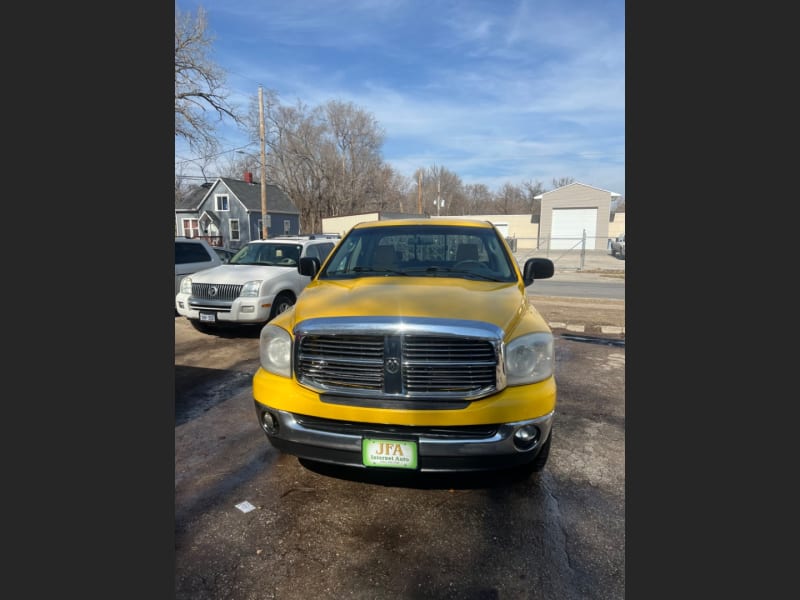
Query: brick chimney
x=248, y=177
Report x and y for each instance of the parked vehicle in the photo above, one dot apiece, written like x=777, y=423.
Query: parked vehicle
x=192, y=255
x=415, y=346
x=260, y=281
x=618, y=246
x=225, y=254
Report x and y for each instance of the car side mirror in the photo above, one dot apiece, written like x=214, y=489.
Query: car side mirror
x=309, y=265
x=537, y=268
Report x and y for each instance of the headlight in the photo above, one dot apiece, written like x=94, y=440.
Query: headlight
x=250, y=289
x=529, y=359
x=275, y=350
x=186, y=285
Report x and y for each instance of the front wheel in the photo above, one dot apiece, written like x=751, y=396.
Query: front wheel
x=282, y=303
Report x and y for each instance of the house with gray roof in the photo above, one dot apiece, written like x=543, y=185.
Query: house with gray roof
x=227, y=212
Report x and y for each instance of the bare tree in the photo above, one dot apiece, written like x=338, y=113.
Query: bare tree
x=298, y=153
x=182, y=186
x=354, y=168
x=327, y=159
x=479, y=199
x=200, y=95
x=562, y=181
x=510, y=200
x=533, y=205
x=391, y=192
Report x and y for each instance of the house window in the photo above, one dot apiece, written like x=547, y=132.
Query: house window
x=286, y=226
x=221, y=202
x=191, y=228
x=234, y=230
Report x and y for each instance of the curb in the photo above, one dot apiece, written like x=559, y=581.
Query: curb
x=606, y=329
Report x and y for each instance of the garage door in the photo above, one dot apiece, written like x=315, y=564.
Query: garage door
x=568, y=227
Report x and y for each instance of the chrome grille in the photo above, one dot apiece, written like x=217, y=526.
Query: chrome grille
x=228, y=292
x=342, y=362
x=447, y=364
x=398, y=365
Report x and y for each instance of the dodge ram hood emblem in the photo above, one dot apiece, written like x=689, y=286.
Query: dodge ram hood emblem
x=392, y=366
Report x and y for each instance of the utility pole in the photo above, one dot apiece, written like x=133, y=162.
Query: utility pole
x=419, y=192
x=264, y=215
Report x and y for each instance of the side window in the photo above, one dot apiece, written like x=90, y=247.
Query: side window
x=190, y=253
x=221, y=202
x=234, y=229
x=313, y=251
x=320, y=251
x=191, y=228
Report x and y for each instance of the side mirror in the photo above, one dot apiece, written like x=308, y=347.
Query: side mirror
x=537, y=268
x=309, y=265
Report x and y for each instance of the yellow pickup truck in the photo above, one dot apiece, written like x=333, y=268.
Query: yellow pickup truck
x=415, y=346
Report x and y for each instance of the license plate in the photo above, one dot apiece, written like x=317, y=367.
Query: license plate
x=208, y=316
x=398, y=454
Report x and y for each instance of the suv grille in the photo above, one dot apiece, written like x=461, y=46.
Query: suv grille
x=216, y=291
x=398, y=365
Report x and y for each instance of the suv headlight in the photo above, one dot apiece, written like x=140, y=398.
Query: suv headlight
x=529, y=358
x=186, y=285
x=250, y=289
x=275, y=350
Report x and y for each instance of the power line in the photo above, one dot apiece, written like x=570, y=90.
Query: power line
x=217, y=155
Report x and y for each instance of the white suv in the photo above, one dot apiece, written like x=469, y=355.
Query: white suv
x=260, y=281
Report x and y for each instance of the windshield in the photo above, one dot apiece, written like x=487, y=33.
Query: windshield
x=427, y=251
x=281, y=255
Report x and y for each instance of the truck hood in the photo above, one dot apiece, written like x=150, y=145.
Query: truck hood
x=238, y=274
x=440, y=298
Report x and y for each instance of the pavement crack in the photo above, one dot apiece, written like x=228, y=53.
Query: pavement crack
x=297, y=489
x=560, y=520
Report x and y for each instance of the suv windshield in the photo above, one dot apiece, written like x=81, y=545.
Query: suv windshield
x=430, y=251
x=281, y=255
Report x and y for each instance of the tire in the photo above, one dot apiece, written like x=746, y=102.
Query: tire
x=283, y=302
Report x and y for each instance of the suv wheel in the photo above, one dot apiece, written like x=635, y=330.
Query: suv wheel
x=283, y=302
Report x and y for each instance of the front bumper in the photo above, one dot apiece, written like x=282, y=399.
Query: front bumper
x=241, y=310
x=458, y=448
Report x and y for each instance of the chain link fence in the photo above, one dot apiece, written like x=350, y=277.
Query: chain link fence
x=569, y=254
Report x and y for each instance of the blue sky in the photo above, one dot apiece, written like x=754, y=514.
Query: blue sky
x=496, y=91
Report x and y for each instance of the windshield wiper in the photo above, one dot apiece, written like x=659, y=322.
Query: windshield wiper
x=450, y=271
x=378, y=270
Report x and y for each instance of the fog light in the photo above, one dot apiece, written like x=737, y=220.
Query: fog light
x=180, y=303
x=526, y=437
x=248, y=308
x=269, y=422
